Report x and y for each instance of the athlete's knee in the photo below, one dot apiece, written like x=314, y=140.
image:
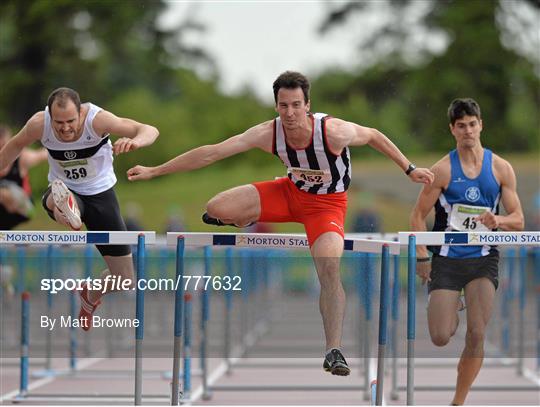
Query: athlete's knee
x=440, y=339
x=475, y=337
x=328, y=271
x=217, y=207
x=121, y=266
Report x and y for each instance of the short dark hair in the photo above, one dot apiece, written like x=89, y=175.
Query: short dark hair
x=463, y=107
x=61, y=96
x=292, y=80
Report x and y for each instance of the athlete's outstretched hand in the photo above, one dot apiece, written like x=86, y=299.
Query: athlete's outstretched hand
x=140, y=173
x=423, y=270
x=489, y=219
x=125, y=145
x=422, y=176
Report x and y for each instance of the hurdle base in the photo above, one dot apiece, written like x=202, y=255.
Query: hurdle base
x=40, y=374
x=284, y=388
x=475, y=388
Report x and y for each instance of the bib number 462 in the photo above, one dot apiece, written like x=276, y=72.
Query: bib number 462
x=76, y=173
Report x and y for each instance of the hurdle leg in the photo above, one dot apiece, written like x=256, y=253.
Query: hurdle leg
x=228, y=310
x=187, y=346
x=522, y=298
x=25, y=336
x=139, y=330
x=204, y=324
x=383, y=322
x=411, y=317
x=178, y=312
x=395, y=319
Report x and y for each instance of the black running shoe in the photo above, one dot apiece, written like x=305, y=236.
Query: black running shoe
x=216, y=222
x=212, y=221
x=335, y=363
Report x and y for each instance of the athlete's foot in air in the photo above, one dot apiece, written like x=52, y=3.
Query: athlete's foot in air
x=65, y=203
x=217, y=222
x=86, y=312
x=335, y=363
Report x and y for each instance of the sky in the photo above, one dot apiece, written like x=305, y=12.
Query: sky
x=253, y=42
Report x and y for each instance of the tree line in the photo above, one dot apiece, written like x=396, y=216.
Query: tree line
x=117, y=56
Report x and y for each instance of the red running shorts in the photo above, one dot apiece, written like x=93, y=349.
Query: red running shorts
x=282, y=201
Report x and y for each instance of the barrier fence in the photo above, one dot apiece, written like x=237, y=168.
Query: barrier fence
x=455, y=239
x=81, y=238
x=183, y=302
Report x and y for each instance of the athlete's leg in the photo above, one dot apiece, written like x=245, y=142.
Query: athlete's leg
x=479, y=296
x=442, y=315
x=62, y=204
x=102, y=212
x=239, y=206
x=326, y=252
x=14, y=199
x=121, y=267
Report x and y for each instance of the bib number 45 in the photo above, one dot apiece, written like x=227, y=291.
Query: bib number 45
x=469, y=223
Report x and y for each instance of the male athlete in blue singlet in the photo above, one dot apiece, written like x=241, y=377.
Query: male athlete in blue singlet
x=470, y=183
x=315, y=150
x=81, y=174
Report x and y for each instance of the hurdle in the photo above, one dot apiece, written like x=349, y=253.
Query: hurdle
x=459, y=239
x=50, y=238
x=276, y=241
x=20, y=268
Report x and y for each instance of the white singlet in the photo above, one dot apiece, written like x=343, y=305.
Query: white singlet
x=84, y=165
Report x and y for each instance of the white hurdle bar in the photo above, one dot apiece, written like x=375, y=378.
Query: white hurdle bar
x=472, y=238
x=412, y=239
x=8, y=237
x=36, y=237
x=281, y=241
x=277, y=241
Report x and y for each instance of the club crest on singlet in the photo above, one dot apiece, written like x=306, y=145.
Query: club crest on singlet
x=70, y=155
x=472, y=194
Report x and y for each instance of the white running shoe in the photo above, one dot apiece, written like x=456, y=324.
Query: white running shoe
x=64, y=201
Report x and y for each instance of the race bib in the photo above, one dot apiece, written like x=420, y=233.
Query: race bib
x=77, y=170
x=312, y=176
x=463, y=217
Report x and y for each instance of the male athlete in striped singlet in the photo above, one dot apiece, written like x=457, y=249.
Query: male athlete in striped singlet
x=81, y=174
x=470, y=182
x=315, y=150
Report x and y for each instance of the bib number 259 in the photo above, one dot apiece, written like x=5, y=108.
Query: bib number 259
x=75, y=173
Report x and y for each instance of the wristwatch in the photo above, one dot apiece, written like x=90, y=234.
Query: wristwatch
x=410, y=169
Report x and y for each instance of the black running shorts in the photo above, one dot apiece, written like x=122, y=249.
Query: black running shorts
x=99, y=212
x=454, y=274
x=9, y=220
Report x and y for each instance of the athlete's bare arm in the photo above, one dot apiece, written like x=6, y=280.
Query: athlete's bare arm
x=30, y=158
x=133, y=135
x=341, y=134
x=425, y=202
x=31, y=132
x=513, y=220
x=259, y=136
